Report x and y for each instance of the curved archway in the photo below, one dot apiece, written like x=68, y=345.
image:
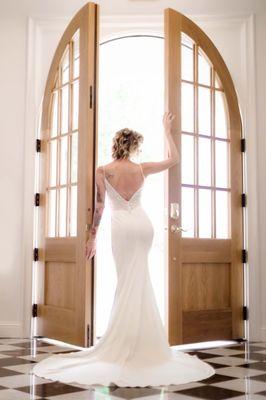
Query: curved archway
x=198, y=305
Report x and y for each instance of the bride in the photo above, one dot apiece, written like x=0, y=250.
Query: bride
x=134, y=350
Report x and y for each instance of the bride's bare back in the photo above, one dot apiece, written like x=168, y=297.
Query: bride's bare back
x=125, y=177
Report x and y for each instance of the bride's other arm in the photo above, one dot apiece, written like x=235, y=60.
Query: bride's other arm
x=98, y=212
x=173, y=154
x=100, y=202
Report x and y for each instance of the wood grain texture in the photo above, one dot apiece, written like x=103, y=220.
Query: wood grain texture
x=205, y=276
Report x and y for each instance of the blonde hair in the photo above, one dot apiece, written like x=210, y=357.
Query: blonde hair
x=125, y=142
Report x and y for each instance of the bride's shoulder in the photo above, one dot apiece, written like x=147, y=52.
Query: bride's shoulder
x=102, y=169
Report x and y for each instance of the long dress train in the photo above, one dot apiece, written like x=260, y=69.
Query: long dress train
x=134, y=350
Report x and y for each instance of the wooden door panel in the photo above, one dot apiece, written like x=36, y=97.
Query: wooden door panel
x=67, y=170
x=205, y=286
x=211, y=325
x=205, y=276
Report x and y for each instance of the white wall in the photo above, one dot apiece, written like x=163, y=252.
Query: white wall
x=23, y=69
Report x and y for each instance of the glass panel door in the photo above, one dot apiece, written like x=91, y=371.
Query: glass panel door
x=63, y=145
x=205, y=147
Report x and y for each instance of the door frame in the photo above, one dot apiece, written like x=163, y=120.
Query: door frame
x=38, y=28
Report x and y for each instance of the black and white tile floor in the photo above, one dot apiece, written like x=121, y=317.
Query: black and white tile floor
x=240, y=375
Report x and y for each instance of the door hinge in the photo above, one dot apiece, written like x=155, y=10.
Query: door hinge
x=244, y=256
x=34, y=310
x=243, y=145
x=245, y=313
x=37, y=199
x=88, y=335
x=38, y=145
x=36, y=254
x=90, y=96
x=243, y=199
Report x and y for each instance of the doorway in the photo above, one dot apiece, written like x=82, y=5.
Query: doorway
x=131, y=94
x=210, y=251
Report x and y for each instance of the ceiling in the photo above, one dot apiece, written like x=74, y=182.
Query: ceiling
x=110, y=7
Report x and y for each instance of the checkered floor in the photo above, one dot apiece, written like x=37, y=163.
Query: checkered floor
x=240, y=374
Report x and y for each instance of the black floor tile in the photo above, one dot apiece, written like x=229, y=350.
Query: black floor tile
x=8, y=372
x=32, y=343
x=51, y=389
x=203, y=355
x=7, y=362
x=246, y=347
x=22, y=352
x=257, y=365
x=216, y=365
x=252, y=356
x=217, y=378
x=263, y=393
x=211, y=392
x=261, y=377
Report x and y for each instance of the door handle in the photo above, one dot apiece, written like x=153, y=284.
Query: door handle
x=174, y=228
x=174, y=210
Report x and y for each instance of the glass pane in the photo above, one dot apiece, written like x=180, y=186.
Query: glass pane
x=204, y=69
x=204, y=161
x=56, y=81
x=205, y=211
x=52, y=212
x=76, y=54
x=75, y=108
x=187, y=63
x=222, y=214
x=63, y=160
x=186, y=40
x=64, y=110
x=74, y=157
x=220, y=115
x=73, y=211
x=76, y=68
x=221, y=163
x=204, y=109
x=187, y=107
x=217, y=81
x=53, y=162
x=75, y=40
x=187, y=142
x=65, y=66
x=187, y=211
x=62, y=211
x=54, y=116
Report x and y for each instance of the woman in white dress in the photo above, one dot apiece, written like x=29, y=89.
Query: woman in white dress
x=134, y=350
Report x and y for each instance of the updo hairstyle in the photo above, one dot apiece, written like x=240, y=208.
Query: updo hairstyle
x=126, y=142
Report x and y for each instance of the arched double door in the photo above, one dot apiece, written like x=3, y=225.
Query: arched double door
x=202, y=193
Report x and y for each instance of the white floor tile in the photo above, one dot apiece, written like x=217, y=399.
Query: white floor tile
x=11, y=394
x=14, y=381
x=239, y=372
x=245, y=385
x=234, y=361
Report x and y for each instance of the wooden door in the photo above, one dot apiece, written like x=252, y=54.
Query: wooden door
x=67, y=159
x=205, y=276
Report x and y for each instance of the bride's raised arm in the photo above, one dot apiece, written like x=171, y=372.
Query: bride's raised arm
x=173, y=154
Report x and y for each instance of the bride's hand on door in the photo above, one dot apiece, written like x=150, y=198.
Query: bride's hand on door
x=90, y=249
x=168, y=118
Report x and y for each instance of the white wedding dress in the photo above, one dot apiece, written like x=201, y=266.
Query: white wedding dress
x=134, y=350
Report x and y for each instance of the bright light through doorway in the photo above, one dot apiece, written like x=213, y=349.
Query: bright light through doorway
x=131, y=94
